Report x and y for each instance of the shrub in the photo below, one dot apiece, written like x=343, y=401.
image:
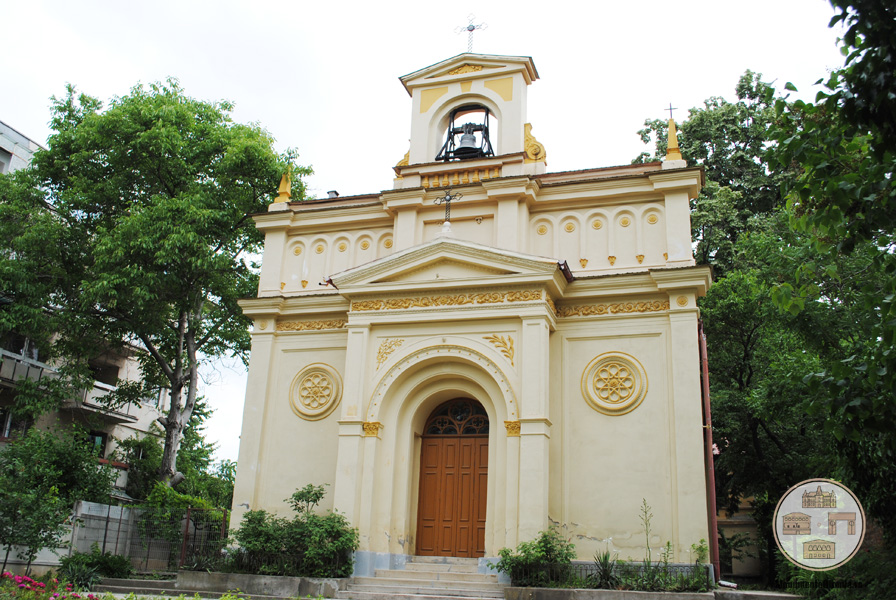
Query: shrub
x=544, y=562
x=605, y=577
x=309, y=545
x=78, y=567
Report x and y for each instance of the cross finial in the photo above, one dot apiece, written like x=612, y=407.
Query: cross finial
x=670, y=109
x=446, y=200
x=470, y=29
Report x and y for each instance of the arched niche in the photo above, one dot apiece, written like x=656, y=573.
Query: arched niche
x=438, y=126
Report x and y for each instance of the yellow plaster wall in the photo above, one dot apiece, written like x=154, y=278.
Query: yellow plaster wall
x=602, y=466
x=587, y=238
x=314, y=258
x=294, y=451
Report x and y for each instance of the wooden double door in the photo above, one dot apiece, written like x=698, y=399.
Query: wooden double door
x=453, y=481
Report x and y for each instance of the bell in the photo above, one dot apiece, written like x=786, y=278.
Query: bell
x=467, y=145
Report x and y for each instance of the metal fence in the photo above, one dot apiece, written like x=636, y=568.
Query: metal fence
x=154, y=539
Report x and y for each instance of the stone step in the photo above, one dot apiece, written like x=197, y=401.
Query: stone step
x=154, y=584
x=372, y=592
x=443, y=560
x=437, y=575
x=138, y=590
x=441, y=568
x=124, y=591
x=427, y=583
x=377, y=596
x=172, y=591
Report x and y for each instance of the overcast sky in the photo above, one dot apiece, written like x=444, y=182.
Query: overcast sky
x=322, y=77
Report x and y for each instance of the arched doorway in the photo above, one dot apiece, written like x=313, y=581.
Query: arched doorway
x=453, y=480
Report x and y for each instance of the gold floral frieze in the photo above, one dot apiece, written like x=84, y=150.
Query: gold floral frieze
x=386, y=348
x=465, y=68
x=587, y=310
x=453, y=300
x=505, y=345
x=311, y=325
x=513, y=428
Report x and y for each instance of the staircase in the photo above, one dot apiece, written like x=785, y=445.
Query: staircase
x=426, y=578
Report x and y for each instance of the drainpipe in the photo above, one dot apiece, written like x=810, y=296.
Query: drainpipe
x=708, y=455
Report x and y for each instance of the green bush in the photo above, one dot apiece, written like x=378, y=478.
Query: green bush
x=77, y=571
x=309, y=545
x=869, y=574
x=606, y=576
x=544, y=562
x=76, y=568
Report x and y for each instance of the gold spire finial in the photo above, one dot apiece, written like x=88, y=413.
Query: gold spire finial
x=285, y=190
x=672, y=151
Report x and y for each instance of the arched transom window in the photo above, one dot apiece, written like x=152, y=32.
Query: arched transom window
x=461, y=416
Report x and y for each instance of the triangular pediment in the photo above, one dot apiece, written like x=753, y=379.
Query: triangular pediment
x=468, y=66
x=446, y=268
x=446, y=262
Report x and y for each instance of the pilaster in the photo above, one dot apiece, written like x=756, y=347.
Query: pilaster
x=405, y=231
x=534, y=428
x=249, y=471
x=274, y=248
x=678, y=229
x=346, y=488
x=689, y=484
x=508, y=226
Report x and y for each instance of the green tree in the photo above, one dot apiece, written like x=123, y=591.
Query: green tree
x=203, y=477
x=42, y=475
x=143, y=457
x=729, y=140
x=844, y=202
x=134, y=227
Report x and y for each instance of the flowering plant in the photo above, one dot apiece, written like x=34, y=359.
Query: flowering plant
x=23, y=587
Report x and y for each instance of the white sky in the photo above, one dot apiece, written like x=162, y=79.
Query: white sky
x=322, y=77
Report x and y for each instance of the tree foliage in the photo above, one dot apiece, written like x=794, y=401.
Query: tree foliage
x=42, y=475
x=729, y=140
x=133, y=228
x=798, y=213
x=204, y=478
x=844, y=202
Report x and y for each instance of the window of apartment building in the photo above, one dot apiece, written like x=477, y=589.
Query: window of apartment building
x=104, y=372
x=5, y=160
x=19, y=344
x=11, y=425
x=97, y=440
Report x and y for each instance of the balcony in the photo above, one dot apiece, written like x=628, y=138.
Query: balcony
x=16, y=367
x=91, y=400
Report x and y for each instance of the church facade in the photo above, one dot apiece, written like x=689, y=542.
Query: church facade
x=464, y=383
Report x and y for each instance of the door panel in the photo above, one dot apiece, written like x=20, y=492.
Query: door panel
x=453, y=491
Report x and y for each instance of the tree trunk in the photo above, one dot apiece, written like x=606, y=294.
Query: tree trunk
x=5, y=558
x=180, y=411
x=174, y=433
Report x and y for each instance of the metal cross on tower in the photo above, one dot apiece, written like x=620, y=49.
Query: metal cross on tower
x=670, y=109
x=470, y=29
x=446, y=200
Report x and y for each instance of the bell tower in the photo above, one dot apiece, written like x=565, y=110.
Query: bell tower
x=470, y=111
